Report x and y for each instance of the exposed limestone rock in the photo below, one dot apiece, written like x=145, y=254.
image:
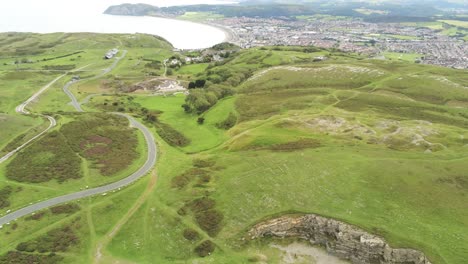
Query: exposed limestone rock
x=339, y=239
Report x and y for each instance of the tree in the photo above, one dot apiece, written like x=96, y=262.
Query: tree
x=187, y=108
x=201, y=120
x=197, y=100
x=200, y=83
x=191, y=85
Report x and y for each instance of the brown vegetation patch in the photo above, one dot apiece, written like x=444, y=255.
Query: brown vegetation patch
x=65, y=209
x=96, y=151
x=49, y=158
x=228, y=123
x=203, y=163
x=207, y=217
x=171, y=135
x=301, y=144
x=94, y=140
x=205, y=248
x=104, y=139
x=202, y=204
x=304, y=143
x=16, y=257
x=5, y=193
x=191, y=234
x=459, y=182
x=185, y=178
x=56, y=240
x=210, y=221
x=36, y=216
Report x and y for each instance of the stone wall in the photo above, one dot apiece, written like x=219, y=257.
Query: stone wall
x=339, y=239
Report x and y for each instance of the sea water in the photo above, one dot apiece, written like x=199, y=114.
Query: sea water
x=48, y=16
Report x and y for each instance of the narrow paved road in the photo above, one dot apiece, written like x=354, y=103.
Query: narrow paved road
x=146, y=168
x=149, y=164
x=74, y=101
x=22, y=110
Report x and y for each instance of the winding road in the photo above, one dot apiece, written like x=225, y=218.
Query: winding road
x=21, y=110
x=144, y=170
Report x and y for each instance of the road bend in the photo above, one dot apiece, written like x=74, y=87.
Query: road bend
x=141, y=172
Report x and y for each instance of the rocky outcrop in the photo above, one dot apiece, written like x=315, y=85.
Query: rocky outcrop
x=339, y=239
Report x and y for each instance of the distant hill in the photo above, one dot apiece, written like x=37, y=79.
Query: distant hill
x=131, y=9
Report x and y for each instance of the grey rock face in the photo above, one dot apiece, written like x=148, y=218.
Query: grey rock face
x=340, y=239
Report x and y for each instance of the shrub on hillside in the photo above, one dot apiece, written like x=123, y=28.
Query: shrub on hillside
x=182, y=180
x=16, y=257
x=191, y=234
x=65, y=209
x=205, y=248
x=57, y=240
x=228, y=123
x=171, y=136
x=4, y=195
x=49, y=158
x=210, y=221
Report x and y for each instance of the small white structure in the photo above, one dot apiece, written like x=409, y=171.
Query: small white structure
x=111, y=53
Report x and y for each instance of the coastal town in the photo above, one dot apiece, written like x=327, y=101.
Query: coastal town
x=425, y=45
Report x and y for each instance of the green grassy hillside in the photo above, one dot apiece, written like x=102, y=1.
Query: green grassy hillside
x=381, y=145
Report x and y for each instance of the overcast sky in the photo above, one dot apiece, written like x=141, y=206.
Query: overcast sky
x=25, y=8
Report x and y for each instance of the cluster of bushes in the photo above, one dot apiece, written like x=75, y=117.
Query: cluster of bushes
x=200, y=100
x=203, y=163
x=207, y=217
x=5, y=193
x=49, y=158
x=62, y=56
x=304, y=143
x=36, y=216
x=17, y=257
x=119, y=103
x=183, y=180
x=229, y=122
x=205, y=248
x=203, y=209
x=191, y=234
x=229, y=75
x=59, y=67
x=65, y=209
x=153, y=64
x=197, y=84
x=104, y=139
x=57, y=240
x=170, y=135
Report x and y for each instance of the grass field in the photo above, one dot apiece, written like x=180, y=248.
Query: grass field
x=378, y=144
x=193, y=69
x=200, y=16
x=410, y=57
x=457, y=23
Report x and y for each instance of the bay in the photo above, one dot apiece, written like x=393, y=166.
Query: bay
x=50, y=16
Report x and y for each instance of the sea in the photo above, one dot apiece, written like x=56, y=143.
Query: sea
x=48, y=16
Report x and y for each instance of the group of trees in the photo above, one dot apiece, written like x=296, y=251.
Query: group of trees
x=197, y=84
x=201, y=99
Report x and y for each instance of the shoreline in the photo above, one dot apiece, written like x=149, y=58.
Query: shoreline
x=229, y=35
